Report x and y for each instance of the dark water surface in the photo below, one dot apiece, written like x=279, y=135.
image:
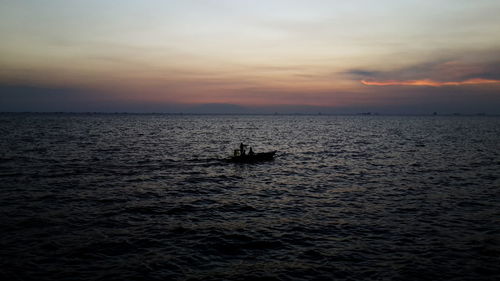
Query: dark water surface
x=146, y=197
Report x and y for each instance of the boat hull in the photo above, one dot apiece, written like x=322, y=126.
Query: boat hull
x=257, y=157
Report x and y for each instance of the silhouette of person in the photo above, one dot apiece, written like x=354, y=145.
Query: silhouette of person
x=250, y=152
x=242, y=149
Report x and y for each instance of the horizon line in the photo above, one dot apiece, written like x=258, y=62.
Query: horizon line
x=256, y=114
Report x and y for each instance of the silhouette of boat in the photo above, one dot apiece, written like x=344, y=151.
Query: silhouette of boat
x=252, y=158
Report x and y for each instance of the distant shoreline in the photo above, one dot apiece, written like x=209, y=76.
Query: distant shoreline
x=250, y=114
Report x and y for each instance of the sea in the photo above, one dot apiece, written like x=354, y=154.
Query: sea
x=151, y=197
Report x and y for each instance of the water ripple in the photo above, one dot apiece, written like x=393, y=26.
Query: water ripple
x=149, y=197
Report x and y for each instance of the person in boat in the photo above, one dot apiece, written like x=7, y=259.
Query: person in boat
x=250, y=152
x=242, y=149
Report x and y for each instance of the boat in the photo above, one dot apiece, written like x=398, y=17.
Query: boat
x=252, y=158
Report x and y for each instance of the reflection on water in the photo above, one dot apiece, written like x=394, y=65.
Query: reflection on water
x=89, y=196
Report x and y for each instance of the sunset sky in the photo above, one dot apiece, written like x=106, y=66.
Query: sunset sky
x=171, y=56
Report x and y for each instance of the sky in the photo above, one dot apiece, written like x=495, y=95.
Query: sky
x=260, y=56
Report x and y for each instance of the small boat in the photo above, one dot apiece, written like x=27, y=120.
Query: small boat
x=252, y=158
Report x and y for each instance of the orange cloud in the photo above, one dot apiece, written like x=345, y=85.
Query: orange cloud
x=429, y=82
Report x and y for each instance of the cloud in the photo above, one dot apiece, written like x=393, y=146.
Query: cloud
x=28, y=98
x=438, y=73
x=429, y=82
x=361, y=73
